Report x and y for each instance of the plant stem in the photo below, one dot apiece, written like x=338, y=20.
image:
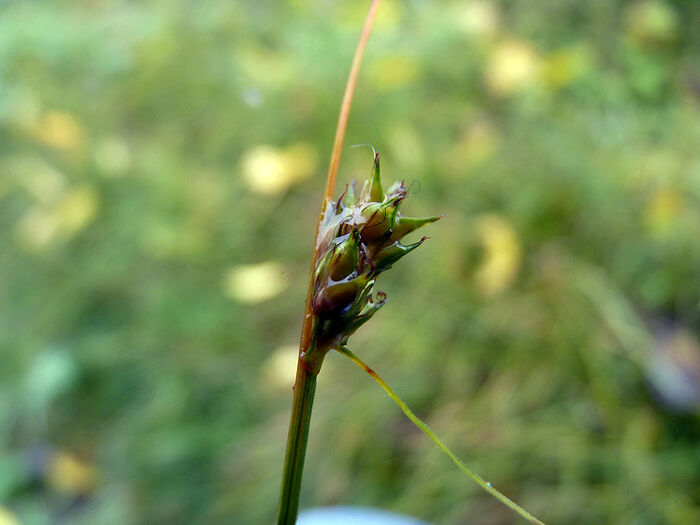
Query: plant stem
x=486, y=485
x=305, y=383
x=304, y=390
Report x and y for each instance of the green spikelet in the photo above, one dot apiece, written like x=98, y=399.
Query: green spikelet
x=344, y=259
x=380, y=220
x=389, y=255
x=405, y=225
x=359, y=238
x=374, y=184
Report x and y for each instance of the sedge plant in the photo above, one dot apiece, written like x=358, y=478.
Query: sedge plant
x=358, y=236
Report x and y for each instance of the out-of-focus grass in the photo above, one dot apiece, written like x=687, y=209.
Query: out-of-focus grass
x=160, y=168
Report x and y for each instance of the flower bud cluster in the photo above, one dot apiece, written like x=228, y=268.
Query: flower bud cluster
x=359, y=238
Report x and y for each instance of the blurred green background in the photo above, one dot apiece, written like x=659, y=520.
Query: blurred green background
x=161, y=166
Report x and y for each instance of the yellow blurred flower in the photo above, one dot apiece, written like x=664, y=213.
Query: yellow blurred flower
x=255, y=283
x=70, y=475
x=264, y=170
x=278, y=370
x=77, y=209
x=393, y=71
x=60, y=130
x=663, y=209
x=7, y=517
x=502, y=254
x=513, y=65
x=566, y=65
x=269, y=170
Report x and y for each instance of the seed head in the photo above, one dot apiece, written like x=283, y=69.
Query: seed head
x=359, y=238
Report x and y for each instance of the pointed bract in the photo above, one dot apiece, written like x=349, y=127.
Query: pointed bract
x=375, y=182
x=405, y=225
x=365, y=315
x=389, y=255
x=372, y=188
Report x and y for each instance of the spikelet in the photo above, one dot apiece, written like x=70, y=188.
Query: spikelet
x=359, y=238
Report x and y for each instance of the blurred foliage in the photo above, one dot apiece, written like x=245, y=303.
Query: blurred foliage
x=161, y=165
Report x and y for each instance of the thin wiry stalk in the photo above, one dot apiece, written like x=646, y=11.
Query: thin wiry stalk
x=347, y=101
x=305, y=383
x=486, y=485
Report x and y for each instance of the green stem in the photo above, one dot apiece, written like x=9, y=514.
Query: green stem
x=304, y=389
x=425, y=428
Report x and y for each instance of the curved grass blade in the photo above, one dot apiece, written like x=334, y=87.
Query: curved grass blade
x=486, y=485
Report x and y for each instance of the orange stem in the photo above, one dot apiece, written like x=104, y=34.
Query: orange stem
x=347, y=102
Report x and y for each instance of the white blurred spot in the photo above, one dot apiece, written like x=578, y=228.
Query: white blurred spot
x=279, y=368
x=674, y=369
x=40, y=179
x=252, y=97
x=51, y=374
x=513, y=65
x=255, y=283
x=478, y=18
x=354, y=516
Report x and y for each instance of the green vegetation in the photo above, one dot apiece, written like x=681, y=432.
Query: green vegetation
x=161, y=165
